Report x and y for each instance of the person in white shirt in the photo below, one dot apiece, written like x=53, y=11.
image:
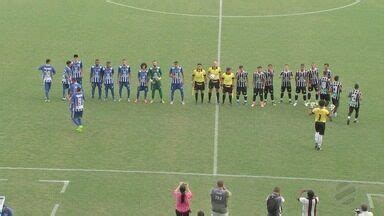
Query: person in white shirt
x=363, y=211
x=309, y=203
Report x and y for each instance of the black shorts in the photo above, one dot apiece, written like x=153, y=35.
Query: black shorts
x=242, y=90
x=227, y=89
x=289, y=88
x=214, y=84
x=199, y=86
x=335, y=101
x=320, y=127
x=258, y=91
x=324, y=97
x=78, y=114
x=301, y=89
x=351, y=109
x=268, y=89
x=313, y=86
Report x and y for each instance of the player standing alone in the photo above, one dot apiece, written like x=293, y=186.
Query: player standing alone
x=214, y=74
x=47, y=72
x=155, y=79
x=269, y=84
x=241, y=84
x=321, y=115
x=354, y=103
x=258, y=86
x=199, y=78
x=77, y=107
x=124, y=76
x=228, y=80
x=176, y=73
x=286, y=76
x=301, y=78
x=336, y=88
x=313, y=79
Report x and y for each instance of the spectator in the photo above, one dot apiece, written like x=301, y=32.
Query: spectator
x=219, y=200
x=275, y=203
x=183, y=198
x=4, y=210
x=363, y=211
x=309, y=203
x=200, y=213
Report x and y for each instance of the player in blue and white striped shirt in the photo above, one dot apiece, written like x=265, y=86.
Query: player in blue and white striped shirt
x=77, y=107
x=96, y=78
x=77, y=69
x=108, y=80
x=124, y=76
x=176, y=74
x=143, y=78
x=47, y=72
x=66, y=79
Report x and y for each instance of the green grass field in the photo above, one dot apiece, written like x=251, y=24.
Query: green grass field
x=176, y=143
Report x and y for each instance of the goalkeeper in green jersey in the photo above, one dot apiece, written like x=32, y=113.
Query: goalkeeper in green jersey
x=155, y=79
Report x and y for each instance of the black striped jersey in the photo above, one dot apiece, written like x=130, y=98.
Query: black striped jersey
x=96, y=72
x=301, y=78
x=324, y=85
x=286, y=78
x=77, y=102
x=336, y=89
x=269, y=77
x=108, y=75
x=177, y=74
x=313, y=76
x=143, y=77
x=77, y=67
x=241, y=78
x=124, y=72
x=66, y=77
x=329, y=73
x=354, y=98
x=258, y=80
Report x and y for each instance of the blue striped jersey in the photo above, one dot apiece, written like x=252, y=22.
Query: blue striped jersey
x=66, y=77
x=336, y=89
x=324, y=85
x=313, y=76
x=47, y=72
x=124, y=72
x=73, y=87
x=286, y=78
x=77, y=102
x=142, y=75
x=177, y=74
x=269, y=77
x=329, y=74
x=301, y=78
x=241, y=78
x=77, y=67
x=96, y=72
x=108, y=75
x=258, y=80
x=354, y=98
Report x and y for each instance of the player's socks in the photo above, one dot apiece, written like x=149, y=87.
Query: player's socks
x=224, y=98
x=304, y=97
x=348, y=120
x=320, y=141
x=281, y=96
x=309, y=95
x=296, y=97
x=209, y=97
x=289, y=95
x=196, y=96
x=202, y=97
x=245, y=99
x=230, y=99
x=218, y=97
x=317, y=97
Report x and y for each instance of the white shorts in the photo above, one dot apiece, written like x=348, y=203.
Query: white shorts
x=219, y=214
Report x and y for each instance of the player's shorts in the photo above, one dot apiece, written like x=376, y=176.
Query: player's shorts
x=78, y=114
x=320, y=127
x=65, y=85
x=214, y=84
x=227, y=89
x=242, y=90
x=176, y=86
x=288, y=88
x=313, y=86
x=156, y=85
x=324, y=97
x=142, y=88
x=268, y=89
x=335, y=101
x=258, y=91
x=109, y=86
x=199, y=86
x=126, y=84
x=351, y=109
x=301, y=89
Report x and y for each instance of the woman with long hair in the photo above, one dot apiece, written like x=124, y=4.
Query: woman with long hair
x=183, y=198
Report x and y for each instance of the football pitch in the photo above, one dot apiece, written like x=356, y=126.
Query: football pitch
x=130, y=156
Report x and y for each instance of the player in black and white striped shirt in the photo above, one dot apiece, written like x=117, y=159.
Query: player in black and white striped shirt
x=301, y=78
x=313, y=81
x=269, y=84
x=286, y=76
x=328, y=71
x=336, y=88
x=241, y=84
x=354, y=103
x=258, y=86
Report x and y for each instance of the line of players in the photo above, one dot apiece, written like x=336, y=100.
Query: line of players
x=325, y=87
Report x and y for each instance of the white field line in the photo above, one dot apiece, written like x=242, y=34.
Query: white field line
x=234, y=16
x=370, y=199
x=194, y=174
x=54, y=210
x=216, y=130
x=3, y=179
x=64, y=182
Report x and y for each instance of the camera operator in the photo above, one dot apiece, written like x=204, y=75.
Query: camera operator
x=363, y=211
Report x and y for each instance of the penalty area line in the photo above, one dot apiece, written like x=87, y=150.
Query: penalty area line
x=193, y=174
